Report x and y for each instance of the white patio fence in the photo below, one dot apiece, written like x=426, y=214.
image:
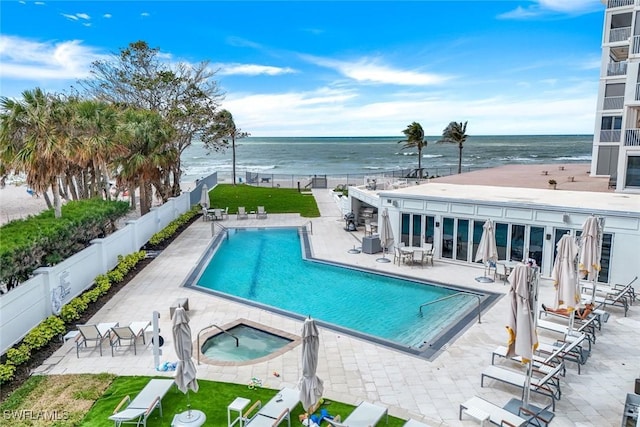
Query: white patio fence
x=25, y=306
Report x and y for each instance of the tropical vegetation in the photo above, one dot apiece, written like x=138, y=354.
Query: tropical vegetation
x=456, y=133
x=415, y=139
x=225, y=130
x=136, y=115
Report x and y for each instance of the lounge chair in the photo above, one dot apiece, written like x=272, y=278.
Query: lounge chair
x=481, y=409
x=365, y=415
x=242, y=213
x=570, y=350
x=547, y=385
x=540, y=361
x=128, y=335
x=261, y=213
x=275, y=411
x=138, y=410
x=587, y=327
x=414, y=423
x=618, y=297
x=95, y=333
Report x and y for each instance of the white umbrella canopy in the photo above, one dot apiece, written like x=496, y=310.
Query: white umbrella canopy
x=564, y=274
x=521, y=324
x=204, y=198
x=185, y=369
x=487, y=249
x=589, y=264
x=311, y=387
x=386, y=232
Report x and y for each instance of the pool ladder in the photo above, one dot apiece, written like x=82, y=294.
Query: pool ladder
x=217, y=327
x=459, y=294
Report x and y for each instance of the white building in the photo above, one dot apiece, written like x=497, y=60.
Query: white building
x=616, y=141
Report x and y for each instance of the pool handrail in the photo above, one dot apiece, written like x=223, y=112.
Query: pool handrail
x=222, y=228
x=224, y=331
x=451, y=296
x=310, y=224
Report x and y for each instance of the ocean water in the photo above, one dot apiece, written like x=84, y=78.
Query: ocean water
x=308, y=156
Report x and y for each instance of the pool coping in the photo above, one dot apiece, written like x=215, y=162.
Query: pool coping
x=429, y=351
x=295, y=341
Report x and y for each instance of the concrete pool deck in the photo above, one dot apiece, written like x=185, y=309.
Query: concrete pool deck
x=353, y=369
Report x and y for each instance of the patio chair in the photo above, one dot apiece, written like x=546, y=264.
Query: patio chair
x=137, y=411
x=427, y=256
x=275, y=411
x=128, y=334
x=481, y=410
x=217, y=214
x=261, y=213
x=242, y=213
x=366, y=414
x=95, y=333
x=500, y=273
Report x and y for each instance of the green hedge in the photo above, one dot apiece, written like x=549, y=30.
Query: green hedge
x=173, y=226
x=42, y=240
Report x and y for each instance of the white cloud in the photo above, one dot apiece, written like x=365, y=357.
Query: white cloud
x=145, y=14
x=330, y=112
x=83, y=16
x=553, y=7
x=107, y=15
x=252, y=69
x=29, y=60
x=370, y=71
x=71, y=17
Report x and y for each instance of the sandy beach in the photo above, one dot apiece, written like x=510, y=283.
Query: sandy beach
x=16, y=203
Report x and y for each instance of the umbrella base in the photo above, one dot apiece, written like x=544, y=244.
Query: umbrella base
x=383, y=259
x=191, y=418
x=484, y=279
x=354, y=251
x=514, y=406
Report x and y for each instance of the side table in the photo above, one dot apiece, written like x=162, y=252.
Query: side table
x=237, y=406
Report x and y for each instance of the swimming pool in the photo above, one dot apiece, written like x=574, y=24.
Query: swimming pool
x=267, y=267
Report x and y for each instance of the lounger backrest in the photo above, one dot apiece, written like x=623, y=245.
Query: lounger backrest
x=241, y=210
x=123, y=332
x=89, y=332
x=553, y=373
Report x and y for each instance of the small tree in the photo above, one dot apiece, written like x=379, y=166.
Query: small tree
x=222, y=131
x=415, y=139
x=455, y=133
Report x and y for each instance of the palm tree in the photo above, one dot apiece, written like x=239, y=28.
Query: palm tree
x=223, y=130
x=415, y=139
x=35, y=139
x=455, y=133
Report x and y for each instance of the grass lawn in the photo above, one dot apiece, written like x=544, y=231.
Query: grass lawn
x=274, y=200
x=98, y=395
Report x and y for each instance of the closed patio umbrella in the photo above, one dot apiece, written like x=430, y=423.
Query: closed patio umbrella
x=386, y=235
x=521, y=322
x=564, y=274
x=204, y=198
x=589, y=263
x=185, y=378
x=487, y=250
x=311, y=387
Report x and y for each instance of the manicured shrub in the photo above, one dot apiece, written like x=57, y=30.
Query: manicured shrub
x=18, y=356
x=7, y=371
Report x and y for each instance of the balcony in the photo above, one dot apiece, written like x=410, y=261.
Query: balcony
x=619, y=3
x=610, y=135
x=613, y=102
x=619, y=34
x=617, y=68
x=632, y=138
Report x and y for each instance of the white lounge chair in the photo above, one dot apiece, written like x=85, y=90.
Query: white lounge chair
x=275, y=411
x=481, y=410
x=414, y=423
x=128, y=334
x=242, y=213
x=366, y=414
x=217, y=214
x=138, y=410
x=261, y=213
x=95, y=333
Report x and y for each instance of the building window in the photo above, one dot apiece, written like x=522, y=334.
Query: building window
x=632, y=178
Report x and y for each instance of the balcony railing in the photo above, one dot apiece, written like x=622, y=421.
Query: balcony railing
x=619, y=34
x=610, y=135
x=613, y=103
x=617, y=68
x=637, y=91
x=635, y=45
x=632, y=138
x=619, y=3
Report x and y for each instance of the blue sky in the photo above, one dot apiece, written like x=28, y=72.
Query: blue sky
x=335, y=68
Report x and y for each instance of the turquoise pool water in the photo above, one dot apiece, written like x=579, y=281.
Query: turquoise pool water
x=266, y=266
x=252, y=344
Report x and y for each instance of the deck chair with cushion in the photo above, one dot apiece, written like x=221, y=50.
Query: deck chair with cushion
x=242, y=213
x=128, y=335
x=261, y=213
x=481, y=410
x=275, y=411
x=95, y=333
x=138, y=410
x=366, y=414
